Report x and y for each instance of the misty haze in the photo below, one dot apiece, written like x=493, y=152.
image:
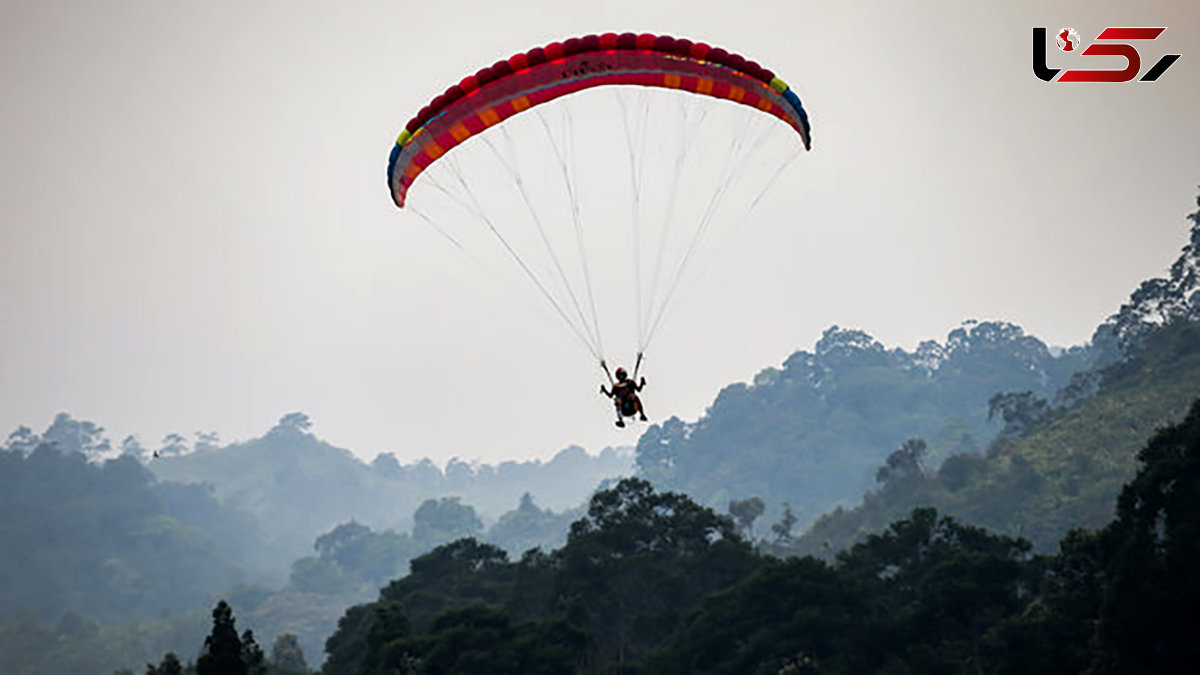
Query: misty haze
x=774, y=337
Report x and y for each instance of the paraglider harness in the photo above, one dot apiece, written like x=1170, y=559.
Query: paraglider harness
x=624, y=395
x=624, y=392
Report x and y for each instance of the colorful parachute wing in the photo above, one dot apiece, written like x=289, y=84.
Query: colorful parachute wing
x=543, y=74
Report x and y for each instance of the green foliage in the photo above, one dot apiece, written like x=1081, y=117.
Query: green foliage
x=481, y=639
x=94, y=538
x=785, y=608
x=613, y=591
x=353, y=562
x=637, y=560
x=274, y=479
x=225, y=653
x=346, y=647
x=632, y=518
x=654, y=581
x=1019, y=410
x=105, y=540
x=1152, y=605
x=650, y=581
x=311, y=617
x=1054, y=634
x=814, y=432
x=1124, y=599
x=1066, y=469
x=923, y=597
x=222, y=648
x=461, y=572
x=79, y=645
x=252, y=655
x=905, y=463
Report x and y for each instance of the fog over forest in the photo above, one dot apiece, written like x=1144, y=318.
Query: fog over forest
x=985, y=444
x=777, y=338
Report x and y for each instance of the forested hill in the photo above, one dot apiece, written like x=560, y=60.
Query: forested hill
x=814, y=432
x=652, y=582
x=1058, y=466
x=303, y=487
x=96, y=539
x=1064, y=470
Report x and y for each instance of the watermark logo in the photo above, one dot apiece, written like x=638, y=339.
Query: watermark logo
x=1113, y=41
x=1067, y=40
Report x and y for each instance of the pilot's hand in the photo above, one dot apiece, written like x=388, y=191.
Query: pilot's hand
x=643, y=383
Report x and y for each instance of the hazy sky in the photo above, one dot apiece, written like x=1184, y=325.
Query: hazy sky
x=195, y=232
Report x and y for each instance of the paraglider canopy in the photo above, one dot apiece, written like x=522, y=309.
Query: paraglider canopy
x=540, y=75
x=710, y=170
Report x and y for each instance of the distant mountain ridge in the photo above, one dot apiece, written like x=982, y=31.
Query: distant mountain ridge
x=1064, y=471
x=1066, y=467
x=97, y=539
x=303, y=487
x=813, y=432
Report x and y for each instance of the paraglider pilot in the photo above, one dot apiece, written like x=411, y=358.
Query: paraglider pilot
x=625, y=398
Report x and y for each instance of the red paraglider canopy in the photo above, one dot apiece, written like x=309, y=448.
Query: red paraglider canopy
x=543, y=74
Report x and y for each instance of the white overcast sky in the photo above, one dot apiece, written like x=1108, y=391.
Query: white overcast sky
x=195, y=232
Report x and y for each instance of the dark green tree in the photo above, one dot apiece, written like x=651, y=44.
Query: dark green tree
x=1054, y=634
x=1018, y=410
x=937, y=590
x=222, y=653
x=252, y=655
x=958, y=471
x=906, y=461
x=458, y=573
x=637, y=560
x=347, y=647
x=785, y=608
x=927, y=596
x=1151, y=608
x=482, y=639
